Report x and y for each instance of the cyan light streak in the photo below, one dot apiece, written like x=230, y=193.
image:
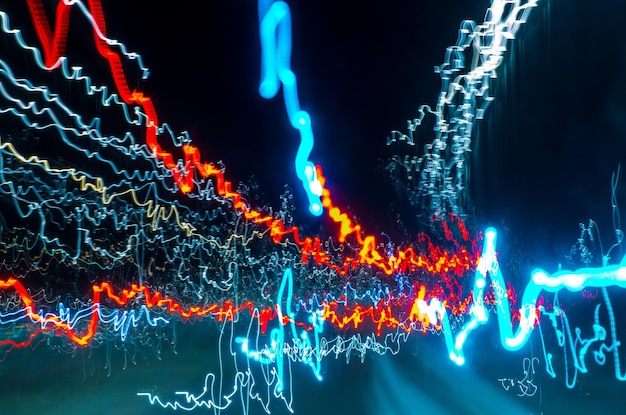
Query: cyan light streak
x=123, y=321
x=515, y=338
x=309, y=353
x=303, y=342
x=488, y=267
x=576, y=347
x=275, y=33
x=120, y=321
x=33, y=196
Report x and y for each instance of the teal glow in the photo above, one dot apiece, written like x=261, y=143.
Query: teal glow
x=275, y=33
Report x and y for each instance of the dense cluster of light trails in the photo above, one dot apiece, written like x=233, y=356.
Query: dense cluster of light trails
x=114, y=227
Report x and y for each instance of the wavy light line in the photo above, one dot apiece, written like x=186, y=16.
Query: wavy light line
x=275, y=30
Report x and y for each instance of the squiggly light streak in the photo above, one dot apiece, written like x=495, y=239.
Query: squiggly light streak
x=310, y=246
x=155, y=300
x=275, y=31
x=464, y=96
x=432, y=314
x=489, y=268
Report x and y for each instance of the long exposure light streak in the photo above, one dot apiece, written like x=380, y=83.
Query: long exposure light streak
x=310, y=246
x=114, y=229
x=275, y=30
x=437, y=176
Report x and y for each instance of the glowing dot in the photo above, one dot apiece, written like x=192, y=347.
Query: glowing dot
x=316, y=209
x=480, y=283
x=268, y=89
x=309, y=171
x=539, y=277
x=459, y=360
x=316, y=188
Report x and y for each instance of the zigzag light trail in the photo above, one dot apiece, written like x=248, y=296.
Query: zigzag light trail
x=275, y=30
x=368, y=253
x=53, y=45
x=139, y=238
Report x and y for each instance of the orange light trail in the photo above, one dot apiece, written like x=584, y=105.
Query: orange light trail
x=437, y=262
x=382, y=315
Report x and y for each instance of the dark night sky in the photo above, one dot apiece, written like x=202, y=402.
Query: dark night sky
x=542, y=162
